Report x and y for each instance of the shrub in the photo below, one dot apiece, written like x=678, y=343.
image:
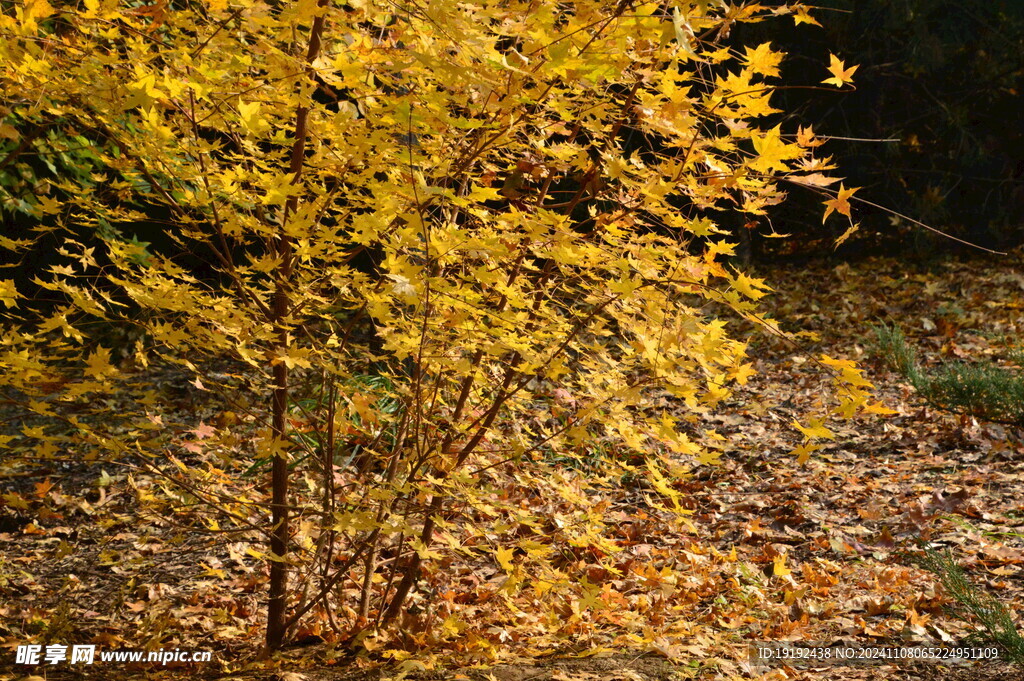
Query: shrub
x=982, y=389
x=972, y=604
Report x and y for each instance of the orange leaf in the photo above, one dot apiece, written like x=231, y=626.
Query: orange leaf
x=840, y=204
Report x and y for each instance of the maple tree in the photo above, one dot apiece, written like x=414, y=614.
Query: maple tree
x=425, y=221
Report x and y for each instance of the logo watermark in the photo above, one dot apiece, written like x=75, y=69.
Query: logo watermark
x=87, y=654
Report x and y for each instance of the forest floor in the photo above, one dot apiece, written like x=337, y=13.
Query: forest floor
x=841, y=522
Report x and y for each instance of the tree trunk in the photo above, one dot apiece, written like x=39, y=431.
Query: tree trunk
x=278, y=603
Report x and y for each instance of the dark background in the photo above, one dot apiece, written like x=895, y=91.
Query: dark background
x=945, y=80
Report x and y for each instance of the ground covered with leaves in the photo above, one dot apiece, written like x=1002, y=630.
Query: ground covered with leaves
x=773, y=549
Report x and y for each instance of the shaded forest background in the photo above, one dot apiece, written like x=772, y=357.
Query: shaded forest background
x=942, y=80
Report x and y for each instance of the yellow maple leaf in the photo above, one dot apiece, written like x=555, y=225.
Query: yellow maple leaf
x=815, y=430
x=143, y=92
x=840, y=74
x=803, y=16
x=709, y=457
x=541, y=587
x=779, y=568
x=742, y=373
x=763, y=60
x=804, y=451
x=48, y=205
x=805, y=137
x=98, y=363
x=249, y=112
x=841, y=203
x=752, y=288
x=15, y=501
x=504, y=558
x=8, y=292
x=772, y=152
x=846, y=235
x=878, y=408
x=848, y=371
x=423, y=551
x=720, y=248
